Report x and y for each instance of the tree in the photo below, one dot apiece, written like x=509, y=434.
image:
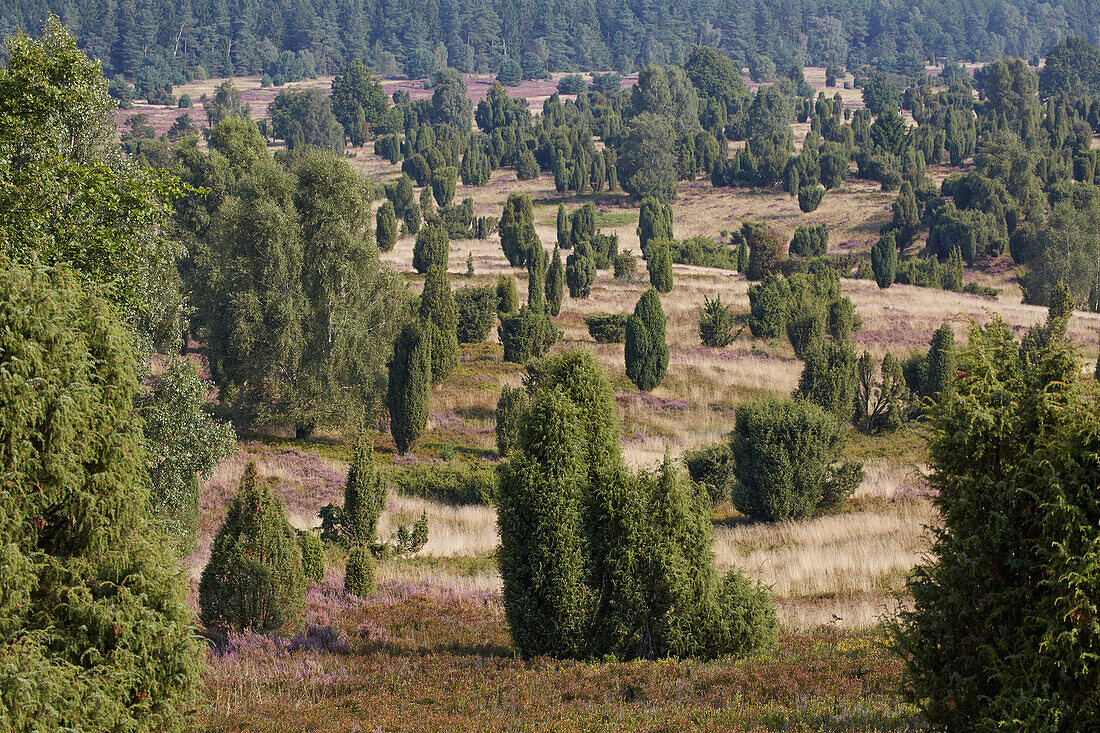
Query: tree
x=580, y=271
x=507, y=295
x=432, y=249
x=654, y=222
x=765, y=249
x=952, y=278
x=582, y=224
x=646, y=162
x=884, y=260
x=410, y=384
x=385, y=232
x=510, y=74
x=716, y=76
x=906, y=221
x=75, y=526
x=715, y=323
x=940, y=374
x=880, y=405
x=809, y=198
x=646, y=351
x=450, y=104
x=225, y=104
x=183, y=442
x=828, y=378
x=555, y=283
x=880, y=94
x=785, y=456
x=359, y=102
x=526, y=334
x=562, y=222
x=306, y=118
x=659, y=264
x=517, y=229
x=364, y=496
x=510, y=408
x=359, y=572
x=254, y=577
x=443, y=184
x=439, y=319
x=536, y=281
x=769, y=116
x=1011, y=582
x=477, y=312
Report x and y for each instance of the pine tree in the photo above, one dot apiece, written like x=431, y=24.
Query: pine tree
x=654, y=222
x=659, y=264
x=364, y=495
x=439, y=321
x=254, y=578
x=646, y=351
x=410, y=384
x=884, y=260
x=94, y=606
x=940, y=375
x=385, y=232
x=432, y=248
x=555, y=284
x=564, y=240
x=715, y=323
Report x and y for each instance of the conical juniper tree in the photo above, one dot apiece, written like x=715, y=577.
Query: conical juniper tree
x=94, y=607
x=410, y=384
x=439, y=320
x=517, y=229
x=580, y=271
x=646, y=351
x=562, y=222
x=364, y=495
x=654, y=222
x=1002, y=632
x=432, y=249
x=254, y=578
x=385, y=231
x=659, y=264
x=536, y=281
x=555, y=284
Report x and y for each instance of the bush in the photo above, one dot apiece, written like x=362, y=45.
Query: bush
x=385, y=230
x=510, y=408
x=703, y=252
x=572, y=84
x=768, y=307
x=253, y=579
x=526, y=335
x=715, y=323
x=884, y=260
x=842, y=318
x=939, y=375
x=432, y=248
x=438, y=316
x=580, y=271
x=456, y=483
x=809, y=198
x=806, y=320
x=646, y=351
x=810, y=241
x=443, y=184
x=477, y=312
x=626, y=267
x=659, y=264
x=605, y=248
x=359, y=572
x=364, y=496
x=765, y=249
x=313, y=556
x=784, y=452
x=712, y=467
x=409, y=389
x=507, y=295
x=828, y=378
x=607, y=328
x=555, y=283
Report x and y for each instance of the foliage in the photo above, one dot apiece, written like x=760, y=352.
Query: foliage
x=359, y=571
x=439, y=319
x=880, y=404
x=510, y=407
x=810, y=241
x=828, y=378
x=765, y=249
x=607, y=328
x=385, y=232
x=625, y=267
x=304, y=118
x=806, y=322
x=646, y=161
x=884, y=259
x=785, y=454
x=410, y=384
x=939, y=376
x=477, y=312
x=455, y=483
x=526, y=335
x=809, y=198
x=517, y=229
x=768, y=307
x=507, y=295
x=715, y=323
x=646, y=351
x=94, y=608
x=659, y=264
x=880, y=94
x=432, y=249
x=842, y=318
x=654, y=222
x=183, y=442
x=711, y=467
x=359, y=103
x=253, y=579
x=580, y=271
x=703, y=252
x=1010, y=587
x=364, y=496
x=313, y=556
x=555, y=283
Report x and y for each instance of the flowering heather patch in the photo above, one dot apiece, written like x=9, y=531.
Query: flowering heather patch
x=913, y=490
x=445, y=419
x=319, y=639
x=652, y=401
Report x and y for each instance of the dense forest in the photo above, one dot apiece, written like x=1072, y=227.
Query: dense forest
x=156, y=41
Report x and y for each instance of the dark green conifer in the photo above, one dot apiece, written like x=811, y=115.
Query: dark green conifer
x=884, y=260
x=580, y=271
x=364, y=495
x=654, y=222
x=410, y=384
x=517, y=229
x=385, y=231
x=555, y=284
x=940, y=375
x=564, y=240
x=359, y=572
x=432, y=248
x=507, y=295
x=646, y=351
x=439, y=320
x=659, y=264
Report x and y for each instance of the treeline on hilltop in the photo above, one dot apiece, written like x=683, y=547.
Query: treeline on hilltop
x=158, y=42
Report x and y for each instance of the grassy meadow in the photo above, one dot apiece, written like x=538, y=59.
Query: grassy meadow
x=430, y=651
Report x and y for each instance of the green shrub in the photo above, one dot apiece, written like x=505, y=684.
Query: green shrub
x=438, y=315
x=359, y=572
x=715, y=323
x=507, y=295
x=510, y=407
x=828, y=378
x=517, y=229
x=784, y=454
x=432, y=248
x=526, y=335
x=881, y=405
x=809, y=198
x=605, y=248
x=768, y=307
x=842, y=318
x=654, y=222
x=572, y=84
x=626, y=267
x=562, y=222
x=806, y=321
x=939, y=375
x=555, y=284
x=456, y=483
x=607, y=328
x=313, y=556
x=385, y=231
x=884, y=260
x=703, y=252
x=646, y=350
x=810, y=241
x=765, y=249
x=750, y=623
x=1003, y=623
x=952, y=277
x=582, y=224
x=364, y=496
x=409, y=389
x=253, y=579
x=443, y=184
x=477, y=312
x=659, y=264
x=712, y=467
x=580, y=271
